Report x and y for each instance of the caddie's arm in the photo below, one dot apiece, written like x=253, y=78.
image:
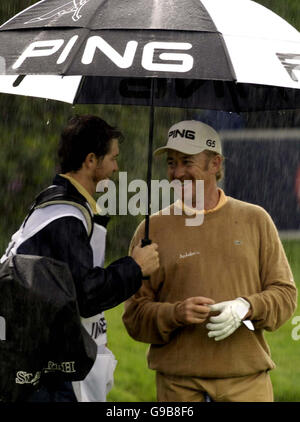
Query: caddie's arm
x=98, y=289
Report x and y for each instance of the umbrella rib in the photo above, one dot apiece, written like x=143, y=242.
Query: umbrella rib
x=227, y=55
x=74, y=52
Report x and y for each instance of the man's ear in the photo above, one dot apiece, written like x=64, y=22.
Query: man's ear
x=90, y=160
x=215, y=163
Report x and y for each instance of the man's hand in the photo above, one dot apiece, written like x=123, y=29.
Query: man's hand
x=232, y=313
x=147, y=258
x=193, y=310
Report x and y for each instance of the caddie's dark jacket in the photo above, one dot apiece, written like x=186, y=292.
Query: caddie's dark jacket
x=66, y=239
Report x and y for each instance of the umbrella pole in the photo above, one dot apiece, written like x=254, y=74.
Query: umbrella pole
x=146, y=241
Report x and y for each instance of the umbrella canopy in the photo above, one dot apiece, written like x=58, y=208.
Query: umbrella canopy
x=230, y=55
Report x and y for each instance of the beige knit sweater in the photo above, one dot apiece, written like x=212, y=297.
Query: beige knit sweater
x=235, y=252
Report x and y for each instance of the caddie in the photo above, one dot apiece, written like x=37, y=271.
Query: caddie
x=220, y=284
x=63, y=224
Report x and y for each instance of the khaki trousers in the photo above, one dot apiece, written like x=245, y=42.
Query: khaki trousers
x=250, y=388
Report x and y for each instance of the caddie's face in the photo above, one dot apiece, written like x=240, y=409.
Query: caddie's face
x=188, y=167
x=108, y=164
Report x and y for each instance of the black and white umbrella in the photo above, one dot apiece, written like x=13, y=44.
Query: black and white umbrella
x=230, y=55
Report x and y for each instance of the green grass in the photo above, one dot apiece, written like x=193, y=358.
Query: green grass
x=134, y=382
x=284, y=350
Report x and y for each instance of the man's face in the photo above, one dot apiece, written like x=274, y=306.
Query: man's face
x=108, y=164
x=189, y=167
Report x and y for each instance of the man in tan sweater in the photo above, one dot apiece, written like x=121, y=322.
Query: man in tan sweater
x=219, y=286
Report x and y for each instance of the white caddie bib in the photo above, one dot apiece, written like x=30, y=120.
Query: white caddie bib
x=100, y=379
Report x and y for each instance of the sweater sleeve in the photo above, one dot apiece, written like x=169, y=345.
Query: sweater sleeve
x=98, y=289
x=145, y=318
x=277, y=300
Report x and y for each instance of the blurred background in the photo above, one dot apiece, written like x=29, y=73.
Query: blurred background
x=262, y=166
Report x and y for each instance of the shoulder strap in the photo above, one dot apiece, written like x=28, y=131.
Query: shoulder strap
x=56, y=194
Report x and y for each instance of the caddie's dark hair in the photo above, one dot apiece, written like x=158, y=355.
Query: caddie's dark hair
x=82, y=135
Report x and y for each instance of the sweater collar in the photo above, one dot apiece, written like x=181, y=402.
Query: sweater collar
x=222, y=201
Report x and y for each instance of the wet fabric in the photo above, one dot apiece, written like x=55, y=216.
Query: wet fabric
x=44, y=339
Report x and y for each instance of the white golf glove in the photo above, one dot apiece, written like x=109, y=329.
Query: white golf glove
x=230, y=318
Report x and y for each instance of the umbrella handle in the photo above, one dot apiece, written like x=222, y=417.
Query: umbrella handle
x=146, y=242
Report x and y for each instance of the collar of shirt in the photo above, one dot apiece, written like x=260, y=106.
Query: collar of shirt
x=91, y=201
x=222, y=201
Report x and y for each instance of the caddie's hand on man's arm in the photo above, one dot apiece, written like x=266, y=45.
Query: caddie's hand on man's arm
x=193, y=310
x=147, y=258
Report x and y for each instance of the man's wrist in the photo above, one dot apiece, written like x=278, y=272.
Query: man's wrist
x=177, y=314
x=248, y=314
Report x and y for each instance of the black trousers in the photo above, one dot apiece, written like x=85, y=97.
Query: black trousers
x=60, y=393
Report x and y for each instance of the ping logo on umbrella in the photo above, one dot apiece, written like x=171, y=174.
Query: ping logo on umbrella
x=170, y=60
x=74, y=7
x=291, y=63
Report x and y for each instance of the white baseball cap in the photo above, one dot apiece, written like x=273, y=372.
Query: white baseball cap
x=191, y=137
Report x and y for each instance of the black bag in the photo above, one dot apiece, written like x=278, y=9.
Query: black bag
x=41, y=336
